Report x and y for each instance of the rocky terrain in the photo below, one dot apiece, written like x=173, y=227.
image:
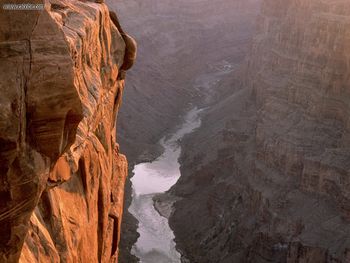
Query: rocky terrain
x=62, y=176
x=266, y=178
x=183, y=45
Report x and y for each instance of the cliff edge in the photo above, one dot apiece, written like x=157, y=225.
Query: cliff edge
x=62, y=176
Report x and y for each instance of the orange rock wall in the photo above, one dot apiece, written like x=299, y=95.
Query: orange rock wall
x=62, y=176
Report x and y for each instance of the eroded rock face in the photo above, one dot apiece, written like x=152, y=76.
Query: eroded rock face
x=277, y=187
x=306, y=46
x=62, y=176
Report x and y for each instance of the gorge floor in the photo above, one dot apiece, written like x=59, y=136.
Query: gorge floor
x=155, y=243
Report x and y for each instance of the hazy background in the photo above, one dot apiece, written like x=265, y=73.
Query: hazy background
x=187, y=50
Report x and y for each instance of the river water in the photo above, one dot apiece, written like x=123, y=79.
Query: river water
x=156, y=242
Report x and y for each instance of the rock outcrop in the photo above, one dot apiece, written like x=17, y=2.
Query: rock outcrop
x=62, y=176
x=276, y=188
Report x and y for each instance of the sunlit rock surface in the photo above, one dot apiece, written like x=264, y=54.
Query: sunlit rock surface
x=62, y=176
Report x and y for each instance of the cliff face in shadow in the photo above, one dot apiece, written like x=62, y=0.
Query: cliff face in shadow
x=62, y=176
x=181, y=44
x=266, y=178
x=178, y=41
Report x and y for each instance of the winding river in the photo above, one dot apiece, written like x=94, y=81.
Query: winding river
x=156, y=241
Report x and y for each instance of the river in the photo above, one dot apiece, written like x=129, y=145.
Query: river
x=156, y=241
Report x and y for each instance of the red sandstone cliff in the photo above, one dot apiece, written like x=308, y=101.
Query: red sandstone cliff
x=62, y=176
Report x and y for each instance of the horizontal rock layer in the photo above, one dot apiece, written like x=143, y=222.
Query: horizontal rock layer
x=62, y=176
x=277, y=187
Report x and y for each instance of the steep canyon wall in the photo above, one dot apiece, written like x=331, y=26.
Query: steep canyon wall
x=276, y=186
x=62, y=175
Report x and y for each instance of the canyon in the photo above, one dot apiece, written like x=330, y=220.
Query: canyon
x=276, y=187
x=265, y=178
x=183, y=46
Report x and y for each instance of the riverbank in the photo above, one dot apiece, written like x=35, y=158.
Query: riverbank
x=130, y=223
x=156, y=239
x=164, y=204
